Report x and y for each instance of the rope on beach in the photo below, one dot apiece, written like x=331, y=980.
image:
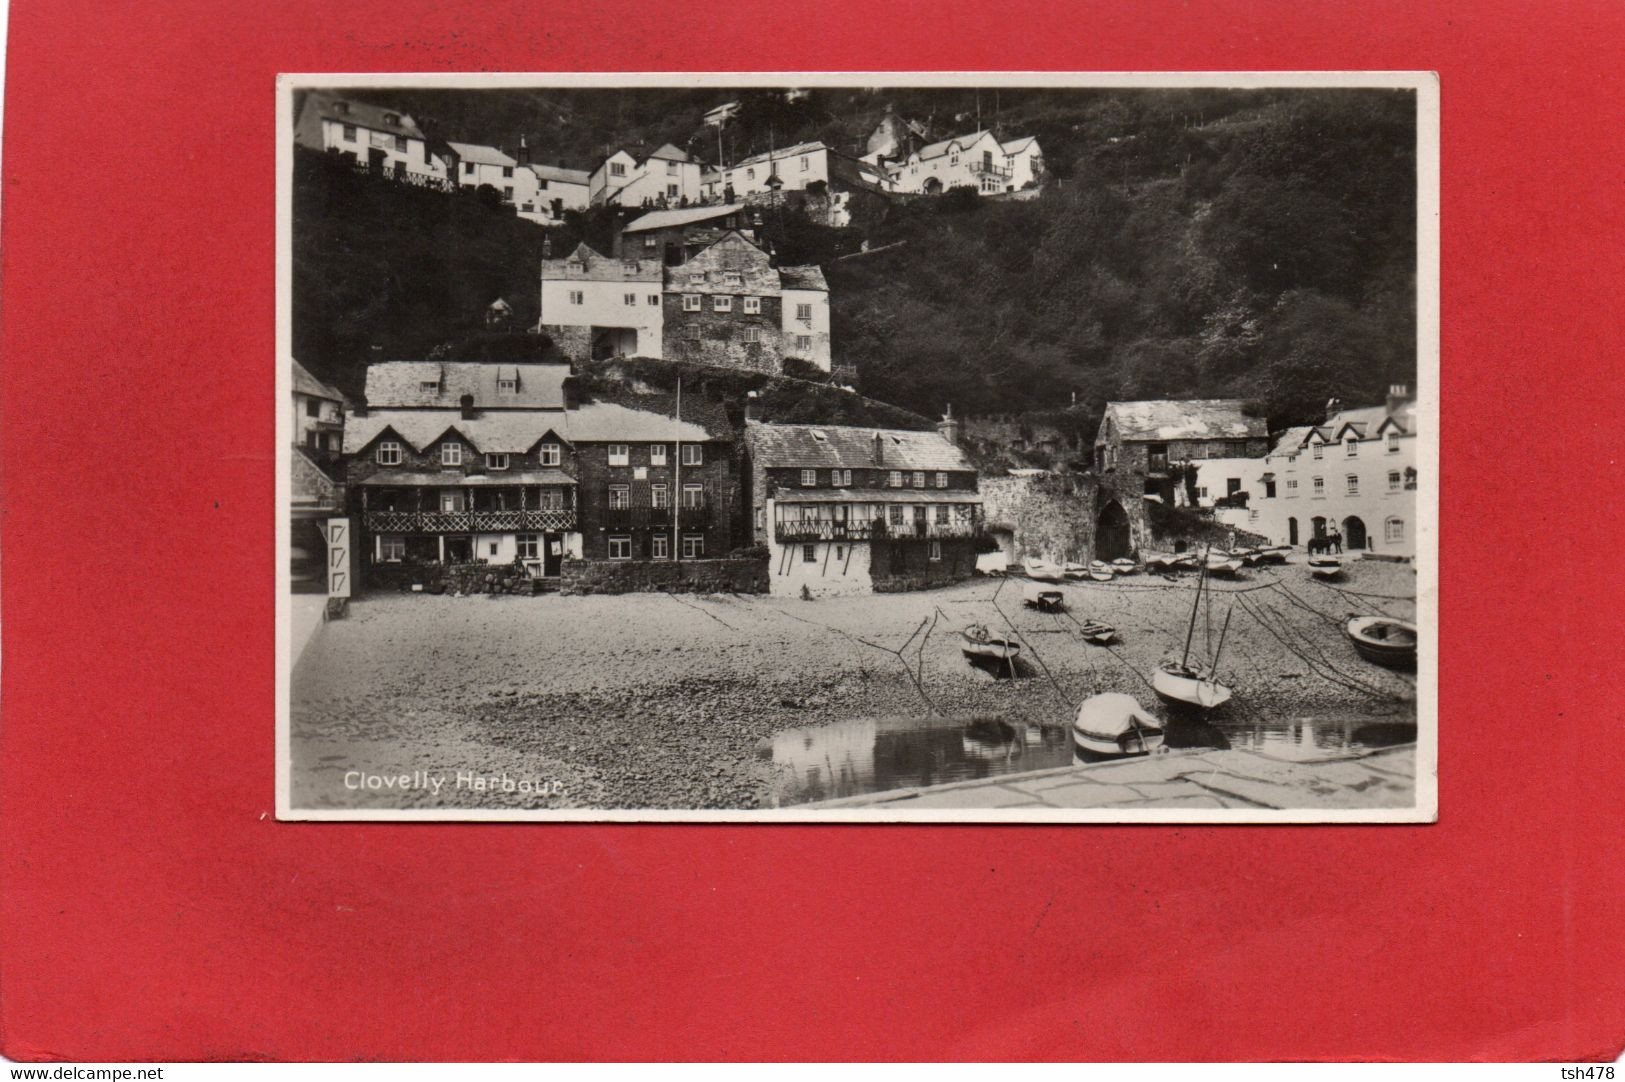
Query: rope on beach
x=1322, y=668
x=1066, y=699
x=914, y=678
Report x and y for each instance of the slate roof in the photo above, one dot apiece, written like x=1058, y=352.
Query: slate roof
x=1185, y=419
x=792, y=494
x=477, y=480
x=561, y=175
x=318, y=106
x=671, y=219
x=399, y=384
x=788, y=152
x=937, y=150
x=667, y=152
x=601, y=268
x=481, y=155
x=1291, y=440
x=1366, y=421
x=799, y=447
x=1016, y=146
x=809, y=277
x=305, y=383
x=517, y=431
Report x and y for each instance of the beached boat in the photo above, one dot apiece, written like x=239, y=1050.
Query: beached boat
x=1076, y=571
x=977, y=641
x=1115, y=724
x=1385, y=641
x=1325, y=567
x=1101, y=571
x=1042, y=571
x=1276, y=555
x=1096, y=632
x=1045, y=598
x=1220, y=564
x=1124, y=566
x=1161, y=561
x=1189, y=685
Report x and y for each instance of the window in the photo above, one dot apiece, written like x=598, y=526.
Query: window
x=619, y=454
x=696, y=278
x=722, y=303
x=753, y=335
x=529, y=546
x=1351, y=448
x=693, y=455
x=671, y=169
x=349, y=133
x=671, y=191
x=507, y=386
x=732, y=278
x=629, y=299
x=942, y=480
x=693, y=546
x=468, y=169
x=809, y=554
x=577, y=297
x=693, y=497
x=660, y=547
x=942, y=514
x=657, y=454
x=620, y=497
x=392, y=549
x=617, y=169
x=507, y=193
x=1291, y=487
x=451, y=454
x=654, y=300
x=750, y=174
x=659, y=496
x=650, y=242
x=620, y=548
x=804, y=312
x=804, y=343
x=805, y=164
x=1352, y=483
x=691, y=302
x=496, y=461
x=809, y=478
x=936, y=551
x=549, y=455
x=493, y=548
x=1319, y=487
x=753, y=306
x=692, y=332
x=895, y=479
x=894, y=514
x=429, y=386
x=842, y=478
x=1317, y=449
x=1393, y=531
x=919, y=479
x=313, y=407
x=451, y=499
x=1395, y=482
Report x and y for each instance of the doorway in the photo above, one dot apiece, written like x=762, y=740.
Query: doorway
x=1354, y=534
x=1292, y=531
x=1112, y=533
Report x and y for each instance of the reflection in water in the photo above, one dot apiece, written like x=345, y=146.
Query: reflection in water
x=873, y=755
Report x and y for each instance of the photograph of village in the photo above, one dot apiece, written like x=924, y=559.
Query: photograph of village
x=838, y=450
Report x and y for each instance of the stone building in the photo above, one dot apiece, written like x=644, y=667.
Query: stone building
x=385, y=141
x=1141, y=449
x=594, y=306
x=674, y=236
x=850, y=510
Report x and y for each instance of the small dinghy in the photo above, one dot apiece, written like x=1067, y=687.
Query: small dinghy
x=1186, y=561
x=1276, y=555
x=1096, y=632
x=1325, y=567
x=977, y=641
x=1043, y=572
x=1101, y=571
x=1115, y=724
x=1161, y=561
x=1387, y=642
x=1076, y=571
x=1124, y=566
x=1037, y=595
x=1220, y=564
x=1189, y=685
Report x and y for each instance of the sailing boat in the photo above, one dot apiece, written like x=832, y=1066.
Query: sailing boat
x=1179, y=683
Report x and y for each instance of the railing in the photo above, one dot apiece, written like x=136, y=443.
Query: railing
x=990, y=170
x=791, y=530
x=416, y=180
x=820, y=531
x=469, y=521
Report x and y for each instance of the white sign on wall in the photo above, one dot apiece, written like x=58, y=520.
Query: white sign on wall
x=338, y=557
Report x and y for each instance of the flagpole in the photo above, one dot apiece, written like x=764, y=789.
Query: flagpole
x=677, y=476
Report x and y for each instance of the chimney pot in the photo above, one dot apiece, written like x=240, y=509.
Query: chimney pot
x=879, y=451
x=753, y=406
x=467, y=403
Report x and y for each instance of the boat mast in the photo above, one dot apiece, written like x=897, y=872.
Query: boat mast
x=1201, y=577
x=677, y=475
x=1227, y=614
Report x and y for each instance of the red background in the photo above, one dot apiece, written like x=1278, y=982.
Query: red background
x=154, y=908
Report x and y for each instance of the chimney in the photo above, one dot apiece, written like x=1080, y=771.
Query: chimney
x=949, y=426
x=1398, y=395
x=879, y=451
x=567, y=390
x=467, y=402
x=524, y=152
x=1332, y=406
x=753, y=406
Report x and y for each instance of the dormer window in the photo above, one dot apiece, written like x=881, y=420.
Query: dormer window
x=392, y=118
x=342, y=108
x=1316, y=451
x=451, y=453
x=697, y=278
x=496, y=461
x=389, y=453
x=508, y=386
x=1393, y=443
x=732, y=278
x=429, y=386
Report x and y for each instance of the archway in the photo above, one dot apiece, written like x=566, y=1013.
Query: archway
x=1112, y=539
x=1319, y=525
x=933, y=186
x=1292, y=531
x=1354, y=536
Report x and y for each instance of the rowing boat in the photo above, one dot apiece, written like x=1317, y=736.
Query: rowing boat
x=1036, y=595
x=1114, y=724
x=978, y=641
x=1385, y=641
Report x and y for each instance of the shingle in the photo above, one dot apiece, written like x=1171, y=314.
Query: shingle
x=800, y=447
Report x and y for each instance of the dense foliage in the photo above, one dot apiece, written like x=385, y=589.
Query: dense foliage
x=1250, y=243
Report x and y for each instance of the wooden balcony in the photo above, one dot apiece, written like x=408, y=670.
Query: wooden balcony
x=803, y=530
x=553, y=521
x=820, y=531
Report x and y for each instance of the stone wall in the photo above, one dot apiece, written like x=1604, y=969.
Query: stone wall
x=452, y=578
x=897, y=567
x=574, y=343
x=743, y=575
x=1050, y=516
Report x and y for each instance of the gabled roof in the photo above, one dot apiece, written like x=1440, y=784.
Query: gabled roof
x=787, y=152
x=669, y=153
x=671, y=219
x=561, y=175
x=1016, y=146
x=813, y=446
x=937, y=150
x=305, y=383
x=809, y=277
x=1184, y=419
x=600, y=268
x=400, y=384
x=481, y=155
x=1291, y=441
x=320, y=105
